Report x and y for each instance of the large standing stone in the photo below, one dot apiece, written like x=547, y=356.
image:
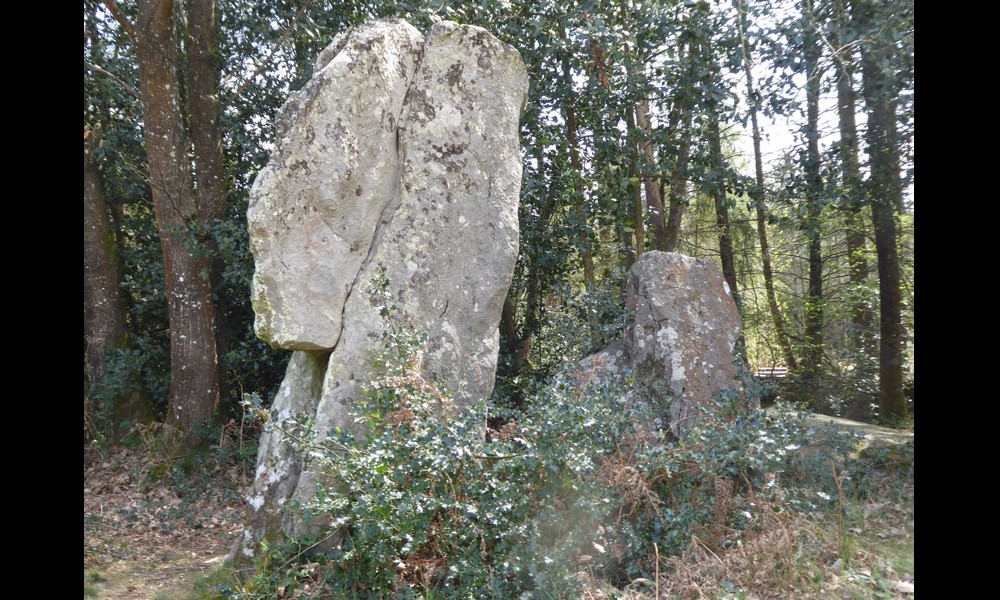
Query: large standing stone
x=435, y=210
x=315, y=207
x=449, y=252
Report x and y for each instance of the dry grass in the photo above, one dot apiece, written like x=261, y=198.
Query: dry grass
x=781, y=554
x=767, y=561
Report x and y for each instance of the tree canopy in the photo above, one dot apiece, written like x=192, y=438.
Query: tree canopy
x=644, y=129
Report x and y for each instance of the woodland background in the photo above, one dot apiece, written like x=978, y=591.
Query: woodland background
x=643, y=130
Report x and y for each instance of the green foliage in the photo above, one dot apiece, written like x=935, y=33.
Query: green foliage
x=580, y=324
x=430, y=504
x=95, y=577
x=599, y=60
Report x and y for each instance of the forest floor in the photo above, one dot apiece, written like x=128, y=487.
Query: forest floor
x=146, y=538
x=152, y=533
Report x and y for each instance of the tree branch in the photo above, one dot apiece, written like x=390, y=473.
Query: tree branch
x=264, y=63
x=119, y=16
x=127, y=87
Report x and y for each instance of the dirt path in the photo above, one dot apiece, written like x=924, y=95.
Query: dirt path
x=145, y=541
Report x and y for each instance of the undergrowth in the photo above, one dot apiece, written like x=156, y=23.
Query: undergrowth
x=577, y=496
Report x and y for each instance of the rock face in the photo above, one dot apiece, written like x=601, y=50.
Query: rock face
x=685, y=331
x=401, y=156
x=680, y=347
x=315, y=207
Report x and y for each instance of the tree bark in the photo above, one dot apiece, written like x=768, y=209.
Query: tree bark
x=884, y=195
x=103, y=308
x=104, y=325
x=716, y=176
x=194, y=385
x=716, y=180
x=211, y=189
x=680, y=125
x=636, y=187
x=717, y=188
x=654, y=202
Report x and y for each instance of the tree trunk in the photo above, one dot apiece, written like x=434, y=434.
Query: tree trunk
x=211, y=190
x=103, y=308
x=717, y=187
x=862, y=319
x=716, y=176
x=884, y=194
x=812, y=356
x=716, y=183
x=649, y=182
x=104, y=322
x=680, y=125
x=194, y=385
x=634, y=184
x=757, y=196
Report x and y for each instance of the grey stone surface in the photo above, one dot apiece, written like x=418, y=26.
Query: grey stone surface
x=315, y=207
x=682, y=342
x=679, y=349
x=450, y=249
x=430, y=200
x=279, y=457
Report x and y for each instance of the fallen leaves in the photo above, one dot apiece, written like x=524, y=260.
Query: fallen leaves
x=150, y=535
x=903, y=587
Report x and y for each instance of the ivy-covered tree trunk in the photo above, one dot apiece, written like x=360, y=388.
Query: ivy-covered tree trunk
x=194, y=380
x=104, y=325
x=885, y=195
x=104, y=322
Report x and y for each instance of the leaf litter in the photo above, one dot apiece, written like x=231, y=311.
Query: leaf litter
x=144, y=538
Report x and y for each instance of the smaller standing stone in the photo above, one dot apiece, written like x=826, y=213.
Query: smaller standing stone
x=682, y=342
x=680, y=348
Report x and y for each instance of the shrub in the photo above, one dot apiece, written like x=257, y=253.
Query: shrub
x=573, y=488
